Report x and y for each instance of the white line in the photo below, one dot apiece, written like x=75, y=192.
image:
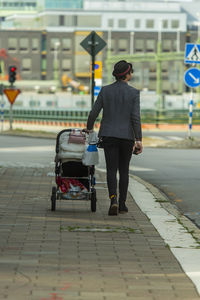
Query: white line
x=156, y=137
x=176, y=138
x=132, y=168
x=28, y=149
x=182, y=244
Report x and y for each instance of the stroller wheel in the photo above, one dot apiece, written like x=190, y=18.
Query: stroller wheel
x=93, y=200
x=53, y=199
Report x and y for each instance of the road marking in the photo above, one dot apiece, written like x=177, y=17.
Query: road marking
x=27, y=149
x=140, y=169
x=176, y=138
x=21, y=164
x=156, y=137
x=167, y=137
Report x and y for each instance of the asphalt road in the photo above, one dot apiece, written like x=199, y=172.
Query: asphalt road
x=173, y=171
x=176, y=172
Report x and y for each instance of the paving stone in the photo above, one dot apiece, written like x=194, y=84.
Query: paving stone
x=41, y=258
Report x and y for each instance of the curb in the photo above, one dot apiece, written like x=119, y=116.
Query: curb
x=179, y=234
x=171, y=208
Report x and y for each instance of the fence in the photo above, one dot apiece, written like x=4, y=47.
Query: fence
x=147, y=115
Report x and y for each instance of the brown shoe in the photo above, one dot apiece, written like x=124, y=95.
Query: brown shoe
x=113, y=210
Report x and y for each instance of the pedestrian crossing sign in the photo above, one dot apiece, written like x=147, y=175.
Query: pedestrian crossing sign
x=192, y=53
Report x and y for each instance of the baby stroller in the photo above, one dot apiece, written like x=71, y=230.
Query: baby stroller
x=74, y=181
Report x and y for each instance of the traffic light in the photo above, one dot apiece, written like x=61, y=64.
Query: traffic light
x=12, y=74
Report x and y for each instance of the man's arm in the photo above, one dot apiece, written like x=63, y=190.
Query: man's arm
x=98, y=105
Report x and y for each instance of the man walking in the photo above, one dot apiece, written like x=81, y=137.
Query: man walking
x=120, y=131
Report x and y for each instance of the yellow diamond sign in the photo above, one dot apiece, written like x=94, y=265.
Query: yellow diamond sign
x=11, y=94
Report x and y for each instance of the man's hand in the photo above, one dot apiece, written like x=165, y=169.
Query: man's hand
x=137, y=147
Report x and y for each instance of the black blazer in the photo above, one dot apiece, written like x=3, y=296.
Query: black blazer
x=121, y=111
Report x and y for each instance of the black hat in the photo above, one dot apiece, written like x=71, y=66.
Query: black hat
x=121, y=68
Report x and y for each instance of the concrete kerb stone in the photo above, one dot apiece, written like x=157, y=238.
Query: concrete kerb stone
x=171, y=208
x=178, y=232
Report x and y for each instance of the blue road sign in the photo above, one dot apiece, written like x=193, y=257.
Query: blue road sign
x=192, y=53
x=192, y=77
x=97, y=90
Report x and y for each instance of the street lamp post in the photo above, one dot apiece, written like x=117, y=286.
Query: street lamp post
x=198, y=38
x=109, y=43
x=159, y=69
x=180, y=64
x=132, y=42
x=178, y=40
x=56, y=45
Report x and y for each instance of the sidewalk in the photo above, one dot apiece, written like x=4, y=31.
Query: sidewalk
x=75, y=254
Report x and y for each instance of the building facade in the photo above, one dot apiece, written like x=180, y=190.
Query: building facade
x=46, y=43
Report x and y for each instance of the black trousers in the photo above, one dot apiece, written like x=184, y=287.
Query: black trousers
x=118, y=154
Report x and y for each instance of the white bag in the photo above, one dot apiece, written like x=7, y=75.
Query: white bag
x=90, y=156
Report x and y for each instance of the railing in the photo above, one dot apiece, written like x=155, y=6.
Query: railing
x=147, y=115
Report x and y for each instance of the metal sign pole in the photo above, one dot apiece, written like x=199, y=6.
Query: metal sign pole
x=93, y=68
x=11, y=117
x=2, y=104
x=190, y=115
x=2, y=112
x=11, y=111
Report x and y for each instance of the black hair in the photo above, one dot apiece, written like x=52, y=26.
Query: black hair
x=121, y=69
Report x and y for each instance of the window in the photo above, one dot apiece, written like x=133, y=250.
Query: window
x=122, y=45
x=150, y=45
x=35, y=44
x=66, y=45
x=150, y=23
x=12, y=44
x=61, y=20
x=122, y=23
x=54, y=43
x=89, y=21
x=53, y=21
x=82, y=64
x=112, y=45
x=139, y=45
x=174, y=45
x=69, y=21
x=165, y=66
x=166, y=45
x=152, y=66
x=23, y=44
x=66, y=65
x=164, y=23
x=110, y=23
x=137, y=23
x=26, y=65
x=175, y=23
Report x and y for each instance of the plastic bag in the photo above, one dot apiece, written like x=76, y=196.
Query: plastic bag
x=90, y=156
x=92, y=138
